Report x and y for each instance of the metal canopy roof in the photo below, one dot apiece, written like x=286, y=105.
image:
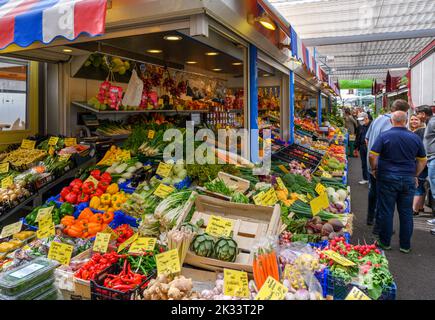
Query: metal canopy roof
x=362, y=39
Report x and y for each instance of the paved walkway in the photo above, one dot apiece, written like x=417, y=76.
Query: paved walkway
x=414, y=273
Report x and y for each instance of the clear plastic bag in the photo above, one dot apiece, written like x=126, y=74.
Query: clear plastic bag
x=133, y=95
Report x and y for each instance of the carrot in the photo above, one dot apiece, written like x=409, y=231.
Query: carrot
x=266, y=269
x=262, y=272
x=274, y=264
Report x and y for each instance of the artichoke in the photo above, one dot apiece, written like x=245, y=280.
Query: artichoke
x=225, y=249
x=195, y=228
x=203, y=245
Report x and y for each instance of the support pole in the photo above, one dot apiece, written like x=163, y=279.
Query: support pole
x=292, y=107
x=253, y=104
x=319, y=108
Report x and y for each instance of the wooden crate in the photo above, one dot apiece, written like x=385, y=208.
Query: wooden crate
x=187, y=207
x=251, y=223
x=240, y=185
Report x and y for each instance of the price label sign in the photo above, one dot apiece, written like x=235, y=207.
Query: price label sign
x=319, y=203
x=113, y=234
x=142, y=245
x=236, y=283
x=7, y=182
x=4, y=167
x=69, y=142
x=101, y=242
x=281, y=184
x=163, y=191
x=338, y=258
x=164, y=169
x=270, y=198
x=272, y=290
x=44, y=211
x=320, y=188
x=53, y=141
x=356, y=294
x=92, y=179
x=65, y=157
x=151, y=134
x=61, y=252
x=283, y=168
x=258, y=198
x=218, y=226
x=46, y=232
x=127, y=242
x=11, y=229
x=45, y=221
x=28, y=144
x=168, y=262
x=326, y=175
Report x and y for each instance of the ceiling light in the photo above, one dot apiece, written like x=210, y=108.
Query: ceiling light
x=154, y=51
x=67, y=50
x=266, y=75
x=216, y=69
x=191, y=62
x=264, y=20
x=172, y=38
x=211, y=53
x=237, y=63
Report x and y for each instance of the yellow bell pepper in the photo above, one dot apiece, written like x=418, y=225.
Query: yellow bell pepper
x=115, y=197
x=117, y=205
x=105, y=199
x=111, y=210
x=103, y=208
x=113, y=188
x=95, y=202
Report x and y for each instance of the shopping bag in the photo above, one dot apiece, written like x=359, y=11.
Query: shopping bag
x=133, y=95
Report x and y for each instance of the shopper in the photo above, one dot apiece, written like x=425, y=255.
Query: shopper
x=429, y=143
x=415, y=123
x=361, y=146
x=418, y=127
x=379, y=125
x=424, y=113
x=397, y=158
x=351, y=126
x=369, y=114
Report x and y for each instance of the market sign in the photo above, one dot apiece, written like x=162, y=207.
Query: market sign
x=272, y=290
x=236, y=283
x=356, y=294
x=219, y=227
x=356, y=84
x=168, y=262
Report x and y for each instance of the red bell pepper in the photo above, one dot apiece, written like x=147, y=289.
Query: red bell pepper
x=98, y=192
x=106, y=177
x=103, y=185
x=65, y=192
x=71, y=198
x=88, y=187
x=83, y=198
x=76, y=189
x=96, y=174
x=76, y=182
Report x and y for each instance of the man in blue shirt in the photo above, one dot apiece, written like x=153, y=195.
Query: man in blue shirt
x=379, y=125
x=396, y=159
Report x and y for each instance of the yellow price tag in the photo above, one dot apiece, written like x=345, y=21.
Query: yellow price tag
x=283, y=168
x=60, y=252
x=65, y=157
x=6, y=182
x=163, y=191
x=51, y=151
x=160, y=102
x=281, y=184
x=218, y=226
x=338, y=258
x=53, y=141
x=309, y=197
x=69, y=142
x=326, y=175
x=168, y=262
x=46, y=232
x=44, y=211
x=45, y=221
x=113, y=234
x=151, y=134
x=28, y=144
x=11, y=229
x=93, y=180
x=142, y=245
x=270, y=198
x=320, y=188
x=258, y=198
x=236, y=283
x=4, y=167
x=272, y=290
x=101, y=242
x=319, y=203
x=127, y=242
x=357, y=294
x=164, y=169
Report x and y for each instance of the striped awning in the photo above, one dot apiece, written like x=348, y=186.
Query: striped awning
x=23, y=22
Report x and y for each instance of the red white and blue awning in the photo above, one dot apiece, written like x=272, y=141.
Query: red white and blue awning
x=23, y=22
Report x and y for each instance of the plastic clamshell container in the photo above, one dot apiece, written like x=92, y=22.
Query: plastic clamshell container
x=28, y=275
x=32, y=292
x=51, y=294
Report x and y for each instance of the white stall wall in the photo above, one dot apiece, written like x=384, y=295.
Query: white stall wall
x=423, y=82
